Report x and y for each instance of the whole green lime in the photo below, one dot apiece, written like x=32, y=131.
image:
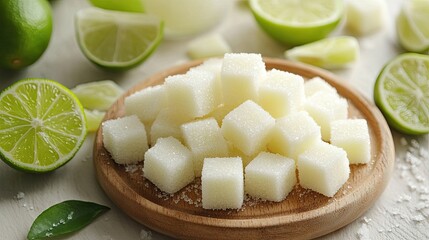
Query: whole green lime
x=25, y=30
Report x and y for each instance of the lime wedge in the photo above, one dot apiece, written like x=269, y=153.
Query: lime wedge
x=122, y=5
x=98, y=95
x=412, y=25
x=42, y=125
x=117, y=40
x=93, y=119
x=295, y=22
x=330, y=53
x=402, y=93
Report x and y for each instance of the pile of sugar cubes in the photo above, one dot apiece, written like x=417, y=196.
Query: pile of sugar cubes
x=242, y=129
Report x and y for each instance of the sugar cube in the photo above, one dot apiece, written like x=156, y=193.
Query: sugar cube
x=222, y=183
x=214, y=66
x=281, y=93
x=293, y=134
x=169, y=165
x=165, y=125
x=365, y=16
x=324, y=108
x=241, y=76
x=219, y=114
x=248, y=127
x=125, y=139
x=210, y=45
x=235, y=152
x=352, y=135
x=204, y=138
x=270, y=176
x=192, y=94
x=146, y=103
x=323, y=168
x=317, y=84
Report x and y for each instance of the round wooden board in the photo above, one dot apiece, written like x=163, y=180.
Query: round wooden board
x=303, y=215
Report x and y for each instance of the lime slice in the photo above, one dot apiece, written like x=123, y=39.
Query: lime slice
x=336, y=52
x=402, y=93
x=117, y=40
x=122, y=5
x=295, y=22
x=42, y=125
x=412, y=25
x=93, y=119
x=98, y=95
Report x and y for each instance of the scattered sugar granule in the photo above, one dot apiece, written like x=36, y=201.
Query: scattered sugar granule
x=19, y=196
x=131, y=168
x=145, y=235
x=363, y=232
x=404, y=141
x=418, y=218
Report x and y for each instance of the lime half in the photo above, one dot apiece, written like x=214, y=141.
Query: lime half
x=296, y=22
x=117, y=40
x=412, y=25
x=99, y=95
x=42, y=125
x=402, y=93
x=330, y=53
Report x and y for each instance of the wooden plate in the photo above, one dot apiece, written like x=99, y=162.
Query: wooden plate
x=304, y=214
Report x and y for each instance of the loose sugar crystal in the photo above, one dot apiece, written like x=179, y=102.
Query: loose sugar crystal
x=192, y=94
x=125, y=139
x=323, y=168
x=270, y=176
x=222, y=183
x=204, y=138
x=241, y=76
x=169, y=165
x=317, y=84
x=352, y=135
x=293, y=134
x=146, y=103
x=281, y=93
x=248, y=127
x=324, y=108
x=165, y=125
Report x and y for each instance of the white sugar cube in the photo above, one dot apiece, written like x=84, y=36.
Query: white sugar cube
x=248, y=127
x=241, y=76
x=365, y=16
x=125, y=139
x=270, y=176
x=235, y=152
x=219, y=114
x=204, y=138
x=146, y=103
x=352, y=135
x=169, y=165
x=281, y=93
x=324, y=108
x=192, y=94
x=317, y=84
x=222, y=183
x=214, y=66
x=211, y=45
x=293, y=134
x=323, y=168
x=165, y=125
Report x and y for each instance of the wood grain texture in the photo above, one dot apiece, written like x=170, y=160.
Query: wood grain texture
x=304, y=214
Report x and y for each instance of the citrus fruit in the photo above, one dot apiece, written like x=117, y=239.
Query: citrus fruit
x=123, y=5
x=42, y=125
x=25, y=30
x=412, y=25
x=402, y=93
x=297, y=22
x=335, y=52
x=117, y=40
x=93, y=119
x=98, y=95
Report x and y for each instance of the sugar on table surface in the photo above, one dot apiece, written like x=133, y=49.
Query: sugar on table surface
x=169, y=165
x=270, y=176
x=125, y=139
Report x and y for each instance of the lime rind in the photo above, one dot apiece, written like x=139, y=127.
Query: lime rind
x=412, y=27
x=99, y=95
x=35, y=141
x=402, y=93
x=117, y=40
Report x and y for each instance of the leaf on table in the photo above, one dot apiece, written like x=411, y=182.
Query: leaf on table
x=63, y=218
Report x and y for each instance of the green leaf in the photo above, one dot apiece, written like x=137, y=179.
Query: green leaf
x=63, y=218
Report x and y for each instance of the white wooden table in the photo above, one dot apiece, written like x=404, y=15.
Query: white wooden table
x=402, y=212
